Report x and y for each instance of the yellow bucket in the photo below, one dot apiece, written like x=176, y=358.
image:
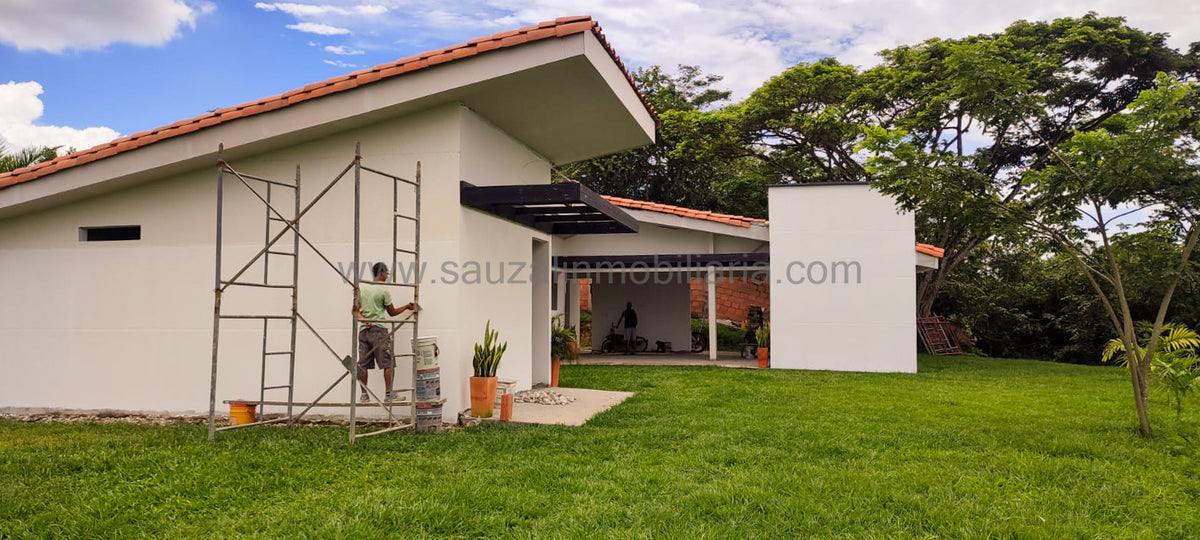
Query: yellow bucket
x=241, y=413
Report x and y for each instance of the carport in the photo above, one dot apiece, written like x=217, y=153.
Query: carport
x=653, y=269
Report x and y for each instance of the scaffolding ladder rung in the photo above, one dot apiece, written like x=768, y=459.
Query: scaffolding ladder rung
x=408, y=251
x=408, y=217
x=256, y=317
x=284, y=253
x=264, y=285
x=273, y=218
x=276, y=353
x=392, y=176
x=260, y=179
x=277, y=387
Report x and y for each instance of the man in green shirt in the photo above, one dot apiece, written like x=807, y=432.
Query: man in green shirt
x=374, y=340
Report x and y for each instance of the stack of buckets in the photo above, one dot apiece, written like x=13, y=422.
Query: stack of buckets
x=428, y=384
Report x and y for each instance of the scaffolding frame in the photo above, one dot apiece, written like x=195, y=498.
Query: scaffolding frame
x=291, y=227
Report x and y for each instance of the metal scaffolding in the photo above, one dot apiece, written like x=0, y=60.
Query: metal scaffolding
x=291, y=231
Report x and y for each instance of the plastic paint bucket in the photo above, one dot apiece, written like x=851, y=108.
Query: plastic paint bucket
x=425, y=352
x=429, y=417
x=428, y=384
x=241, y=413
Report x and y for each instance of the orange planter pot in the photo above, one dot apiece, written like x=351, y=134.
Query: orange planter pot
x=483, y=396
x=555, y=364
x=764, y=361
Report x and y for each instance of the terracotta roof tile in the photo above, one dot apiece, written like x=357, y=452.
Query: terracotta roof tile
x=729, y=219
x=930, y=249
x=560, y=27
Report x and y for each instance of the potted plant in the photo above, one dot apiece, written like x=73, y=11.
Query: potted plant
x=562, y=346
x=485, y=362
x=763, y=337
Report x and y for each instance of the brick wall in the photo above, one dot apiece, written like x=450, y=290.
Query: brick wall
x=585, y=295
x=735, y=295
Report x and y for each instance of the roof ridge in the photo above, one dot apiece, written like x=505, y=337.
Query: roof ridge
x=560, y=27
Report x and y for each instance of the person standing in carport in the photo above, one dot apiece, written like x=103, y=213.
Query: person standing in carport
x=630, y=318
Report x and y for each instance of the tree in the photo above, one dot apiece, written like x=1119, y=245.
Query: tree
x=25, y=157
x=1175, y=365
x=802, y=125
x=652, y=173
x=962, y=121
x=1143, y=157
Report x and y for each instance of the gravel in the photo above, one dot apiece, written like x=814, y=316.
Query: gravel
x=543, y=397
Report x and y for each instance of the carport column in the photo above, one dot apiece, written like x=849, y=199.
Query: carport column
x=711, y=279
x=572, y=299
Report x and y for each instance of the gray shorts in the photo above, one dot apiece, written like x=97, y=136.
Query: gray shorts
x=375, y=348
x=630, y=333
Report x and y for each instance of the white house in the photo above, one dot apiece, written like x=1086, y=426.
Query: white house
x=107, y=256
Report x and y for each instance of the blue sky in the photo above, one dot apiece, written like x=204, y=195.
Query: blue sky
x=80, y=72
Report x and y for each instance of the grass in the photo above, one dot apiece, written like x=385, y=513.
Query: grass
x=967, y=448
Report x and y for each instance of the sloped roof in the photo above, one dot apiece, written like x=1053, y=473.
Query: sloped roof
x=728, y=219
x=561, y=27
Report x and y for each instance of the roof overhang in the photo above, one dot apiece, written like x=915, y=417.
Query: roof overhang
x=753, y=232
x=566, y=208
x=563, y=97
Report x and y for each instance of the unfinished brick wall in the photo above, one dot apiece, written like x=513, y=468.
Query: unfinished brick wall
x=585, y=295
x=735, y=295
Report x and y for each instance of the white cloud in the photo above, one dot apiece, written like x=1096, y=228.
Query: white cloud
x=58, y=25
x=343, y=50
x=20, y=106
x=316, y=10
x=748, y=42
x=339, y=63
x=318, y=28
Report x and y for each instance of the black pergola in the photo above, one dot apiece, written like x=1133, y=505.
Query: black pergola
x=566, y=208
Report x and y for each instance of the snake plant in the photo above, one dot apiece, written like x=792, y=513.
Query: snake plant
x=487, y=355
x=763, y=335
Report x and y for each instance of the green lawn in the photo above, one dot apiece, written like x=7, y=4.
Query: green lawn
x=969, y=447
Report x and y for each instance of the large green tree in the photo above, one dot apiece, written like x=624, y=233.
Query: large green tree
x=964, y=120
x=651, y=172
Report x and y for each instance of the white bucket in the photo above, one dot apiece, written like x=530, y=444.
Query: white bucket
x=425, y=352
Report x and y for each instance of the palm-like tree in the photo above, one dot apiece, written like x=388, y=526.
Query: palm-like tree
x=1175, y=365
x=25, y=157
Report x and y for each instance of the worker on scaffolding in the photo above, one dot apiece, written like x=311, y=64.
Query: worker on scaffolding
x=374, y=340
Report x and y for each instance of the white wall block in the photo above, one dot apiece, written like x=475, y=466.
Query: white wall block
x=818, y=319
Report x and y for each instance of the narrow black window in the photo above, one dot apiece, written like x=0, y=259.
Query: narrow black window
x=110, y=234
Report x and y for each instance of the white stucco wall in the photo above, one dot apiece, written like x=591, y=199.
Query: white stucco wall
x=127, y=325
x=663, y=308
x=863, y=325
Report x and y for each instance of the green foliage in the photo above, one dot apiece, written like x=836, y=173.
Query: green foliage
x=965, y=448
x=729, y=338
x=562, y=337
x=487, y=355
x=25, y=157
x=652, y=172
x=763, y=335
x=1174, y=338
